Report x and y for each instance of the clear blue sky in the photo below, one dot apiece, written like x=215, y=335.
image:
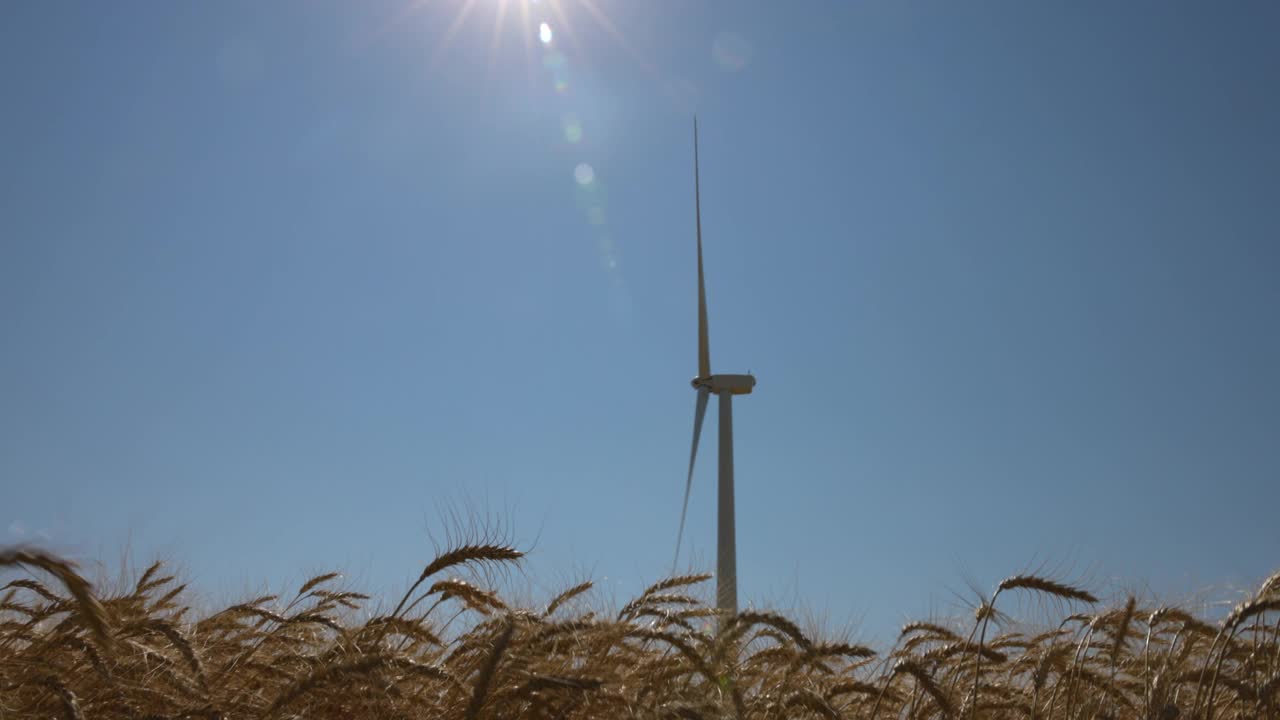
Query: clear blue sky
x=279, y=279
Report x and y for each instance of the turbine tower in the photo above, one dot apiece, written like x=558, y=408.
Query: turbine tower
x=725, y=386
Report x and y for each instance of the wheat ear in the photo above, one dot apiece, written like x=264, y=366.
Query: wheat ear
x=91, y=611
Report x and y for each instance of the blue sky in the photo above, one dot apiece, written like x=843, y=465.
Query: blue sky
x=279, y=281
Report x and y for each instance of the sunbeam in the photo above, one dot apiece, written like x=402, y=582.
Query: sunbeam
x=563, y=22
x=526, y=34
x=495, y=42
x=607, y=25
x=458, y=20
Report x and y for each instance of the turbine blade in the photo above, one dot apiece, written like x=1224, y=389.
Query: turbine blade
x=704, y=352
x=699, y=412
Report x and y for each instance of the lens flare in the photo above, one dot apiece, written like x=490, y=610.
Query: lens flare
x=572, y=128
x=584, y=174
x=544, y=33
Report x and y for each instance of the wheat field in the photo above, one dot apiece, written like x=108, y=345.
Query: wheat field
x=452, y=647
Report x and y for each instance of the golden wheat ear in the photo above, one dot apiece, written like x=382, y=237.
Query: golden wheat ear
x=474, y=598
x=471, y=554
x=317, y=581
x=744, y=620
x=566, y=596
x=90, y=611
x=476, y=553
x=34, y=586
x=674, y=582
x=1046, y=586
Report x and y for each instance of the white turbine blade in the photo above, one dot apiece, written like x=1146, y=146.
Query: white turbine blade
x=699, y=412
x=704, y=351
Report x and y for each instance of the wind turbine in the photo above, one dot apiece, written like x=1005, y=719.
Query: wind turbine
x=725, y=386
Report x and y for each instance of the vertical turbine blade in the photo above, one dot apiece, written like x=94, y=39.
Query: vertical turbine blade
x=704, y=352
x=699, y=412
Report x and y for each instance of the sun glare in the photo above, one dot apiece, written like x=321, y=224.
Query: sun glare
x=549, y=24
x=555, y=56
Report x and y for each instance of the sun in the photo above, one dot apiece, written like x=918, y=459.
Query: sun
x=545, y=24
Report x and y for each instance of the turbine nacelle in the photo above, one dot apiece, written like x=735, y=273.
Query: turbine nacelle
x=731, y=384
